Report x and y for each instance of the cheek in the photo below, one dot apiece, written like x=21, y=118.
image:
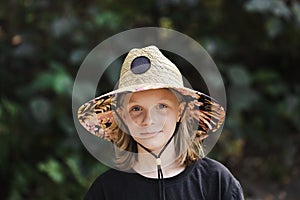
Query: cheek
x=125, y=123
x=130, y=127
x=177, y=116
x=172, y=120
x=126, y=119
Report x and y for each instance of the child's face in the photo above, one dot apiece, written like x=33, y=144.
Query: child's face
x=151, y=117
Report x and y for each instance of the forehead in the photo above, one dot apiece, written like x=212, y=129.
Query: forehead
x=154, y=95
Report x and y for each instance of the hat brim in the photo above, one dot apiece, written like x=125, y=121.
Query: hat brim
x=97, y=116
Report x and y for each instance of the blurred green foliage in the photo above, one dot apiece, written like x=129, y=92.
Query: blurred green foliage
x=254, y=43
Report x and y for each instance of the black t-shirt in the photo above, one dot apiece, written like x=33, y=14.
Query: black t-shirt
x=206, y=179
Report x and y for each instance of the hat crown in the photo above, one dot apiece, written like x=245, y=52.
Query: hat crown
x=159, y=70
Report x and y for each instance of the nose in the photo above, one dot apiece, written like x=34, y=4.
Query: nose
x=147, y=119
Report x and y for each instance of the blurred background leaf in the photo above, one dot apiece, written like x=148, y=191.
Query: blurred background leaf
x=254, y=43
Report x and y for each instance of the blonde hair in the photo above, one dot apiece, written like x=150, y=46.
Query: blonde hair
x=188, y=140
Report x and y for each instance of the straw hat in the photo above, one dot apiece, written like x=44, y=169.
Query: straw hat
x=144, y=69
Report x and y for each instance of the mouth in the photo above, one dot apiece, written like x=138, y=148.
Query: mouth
x=150, y=134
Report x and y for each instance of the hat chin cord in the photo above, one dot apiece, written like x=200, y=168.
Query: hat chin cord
x=160, y=176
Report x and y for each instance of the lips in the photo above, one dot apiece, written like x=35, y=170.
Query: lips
x=150, y=134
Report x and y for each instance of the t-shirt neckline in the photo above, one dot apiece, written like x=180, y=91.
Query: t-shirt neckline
x=175, y=178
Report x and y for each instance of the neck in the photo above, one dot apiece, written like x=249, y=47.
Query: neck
x=146, y=164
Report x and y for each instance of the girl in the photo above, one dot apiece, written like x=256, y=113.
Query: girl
x=157, y=127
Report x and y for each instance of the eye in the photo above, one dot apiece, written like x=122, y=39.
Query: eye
x=135, y=109
x=161, y=106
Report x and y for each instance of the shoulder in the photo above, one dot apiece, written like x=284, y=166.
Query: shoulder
x=104, y=183
x=110, y=176
x=209, y=165
x=219, y=179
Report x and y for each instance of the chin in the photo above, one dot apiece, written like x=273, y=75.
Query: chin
x=152, y=145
